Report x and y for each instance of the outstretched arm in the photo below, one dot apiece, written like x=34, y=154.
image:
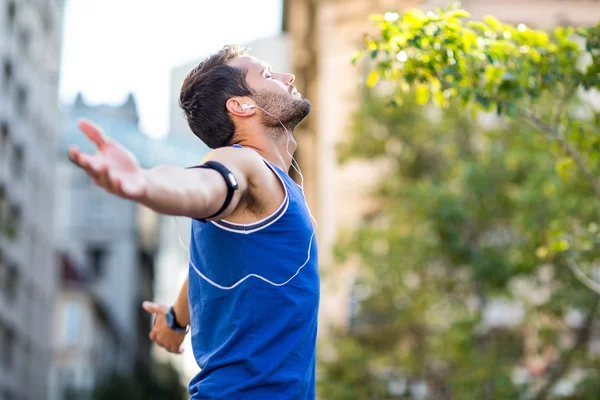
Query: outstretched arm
x=171, y=190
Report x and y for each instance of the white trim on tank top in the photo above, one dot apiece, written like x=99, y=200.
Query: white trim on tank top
x=246, y=229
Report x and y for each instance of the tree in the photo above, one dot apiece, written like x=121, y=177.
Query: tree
x=534, y=79
x=161, y=382
x=463, y=221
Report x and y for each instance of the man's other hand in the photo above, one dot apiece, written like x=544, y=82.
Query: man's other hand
x=161, y=334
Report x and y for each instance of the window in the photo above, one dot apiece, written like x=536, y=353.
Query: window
x=4, y=132
x=12, y=222
x=21, y=100
x=47, y=21
x=26, y=356
x=96, y=256
x=12, y=282
x=18, y=161
x=11, y=13
x=8, y=345
x=3, y=208
x=24, y=41
x=7, y=72
x=73, y=316
x=3, y=268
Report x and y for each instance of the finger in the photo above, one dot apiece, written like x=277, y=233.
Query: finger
x=116, y=185
x=103, y=184
x=76, y=156
x=152, y=335
x=153, y=308
x=104, y=178
x=92, y=132
x=91, y=164
x=73, y=152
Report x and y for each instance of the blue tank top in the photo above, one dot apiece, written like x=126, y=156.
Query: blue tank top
x=256, y=341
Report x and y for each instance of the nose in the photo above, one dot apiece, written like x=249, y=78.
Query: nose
x=287, y=79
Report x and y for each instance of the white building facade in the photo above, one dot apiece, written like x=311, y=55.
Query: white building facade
x=30, y=42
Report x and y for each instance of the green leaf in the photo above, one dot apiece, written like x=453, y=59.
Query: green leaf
x=357, y=57
x=376, y=17
x=564, y=166
x=459, y=14
x=499, y=109
x=477, y=25
x=493, y=22
x=373, y=78
x=422, y=94
x=560, y=246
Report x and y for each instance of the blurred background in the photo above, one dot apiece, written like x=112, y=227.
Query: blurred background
x=402, y=315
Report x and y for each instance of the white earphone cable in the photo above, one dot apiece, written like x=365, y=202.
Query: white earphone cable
x=296, y=167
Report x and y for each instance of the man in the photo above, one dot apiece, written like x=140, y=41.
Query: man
x=252, y=337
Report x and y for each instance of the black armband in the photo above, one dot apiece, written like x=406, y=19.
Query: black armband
x=230, y=181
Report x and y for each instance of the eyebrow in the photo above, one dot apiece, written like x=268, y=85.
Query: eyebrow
x=265, y=67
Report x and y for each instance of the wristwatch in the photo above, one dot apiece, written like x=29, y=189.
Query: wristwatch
x=172, y=321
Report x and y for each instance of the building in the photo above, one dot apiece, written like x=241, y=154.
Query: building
x=86, y=339
x=30, y=42
x=106, y=253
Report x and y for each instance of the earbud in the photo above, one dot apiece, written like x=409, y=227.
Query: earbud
x=247, y=106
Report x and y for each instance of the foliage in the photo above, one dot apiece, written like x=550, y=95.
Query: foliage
x=467, y=216
x=159, y=383
x=470, y=216
x=487, y=64
x=491, y=66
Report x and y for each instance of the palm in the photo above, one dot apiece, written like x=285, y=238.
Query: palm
x=121, y=163
x=113, y=167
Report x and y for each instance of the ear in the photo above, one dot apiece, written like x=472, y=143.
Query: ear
x=234, y=106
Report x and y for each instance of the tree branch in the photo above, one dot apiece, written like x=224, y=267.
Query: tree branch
x=563, y=363
x=563, y=104
x=574, y=154
x=582, y=277
x=485, y=343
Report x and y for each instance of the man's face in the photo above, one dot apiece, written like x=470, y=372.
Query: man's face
x=274, y=92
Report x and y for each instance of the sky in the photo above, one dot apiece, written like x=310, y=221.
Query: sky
x=113, y=47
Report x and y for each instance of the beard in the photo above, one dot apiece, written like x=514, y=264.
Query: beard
x=288, y=109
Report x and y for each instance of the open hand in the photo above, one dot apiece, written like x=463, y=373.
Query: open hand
x=161, y=334
x=113, y=167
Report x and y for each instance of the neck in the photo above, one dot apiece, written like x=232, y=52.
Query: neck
x=275, y=147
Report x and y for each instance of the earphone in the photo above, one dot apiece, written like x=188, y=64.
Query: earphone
x=310, y=241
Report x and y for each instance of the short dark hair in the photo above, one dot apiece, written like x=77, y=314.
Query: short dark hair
x=205, y=92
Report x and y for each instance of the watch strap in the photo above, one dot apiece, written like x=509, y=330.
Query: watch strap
x=175, y=325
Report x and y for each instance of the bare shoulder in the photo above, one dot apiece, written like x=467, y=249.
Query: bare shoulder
x=264, y=191
x=244, y=163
